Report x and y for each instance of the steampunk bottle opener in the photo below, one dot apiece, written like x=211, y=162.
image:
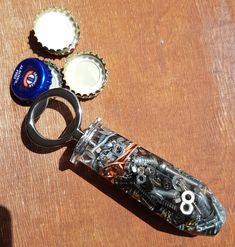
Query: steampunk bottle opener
x=179, y=198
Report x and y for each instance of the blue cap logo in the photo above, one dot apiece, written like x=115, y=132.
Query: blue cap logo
x=30, y=78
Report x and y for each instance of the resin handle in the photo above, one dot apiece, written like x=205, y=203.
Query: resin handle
x=179, y=198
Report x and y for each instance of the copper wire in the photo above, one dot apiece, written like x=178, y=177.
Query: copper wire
x=116, y=167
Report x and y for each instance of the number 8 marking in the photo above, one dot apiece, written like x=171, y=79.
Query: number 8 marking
x=188, y=199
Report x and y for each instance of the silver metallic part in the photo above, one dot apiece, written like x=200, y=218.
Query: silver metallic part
x=171, y=170
x=177, y=200
x=203, y=205
x=166, y=183
x=140, y=170
x=171, y=193
x=134, y=169
x=186, y=208
x=100, y=144
x=150, y=170
x=188, y=196
x=188, y=199
x=88, y=158
x=177, y=182
x=164, y=193
x=144, y=161
x=141, y=179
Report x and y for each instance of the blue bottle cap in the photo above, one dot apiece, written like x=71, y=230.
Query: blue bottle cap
x=31, y=78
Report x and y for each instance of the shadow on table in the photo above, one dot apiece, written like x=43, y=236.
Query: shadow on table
x=96, y=180
x=5, y=228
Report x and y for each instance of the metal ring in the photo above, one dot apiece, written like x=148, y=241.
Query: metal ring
x=188, y=196
x=71, y=131
x=186, y=208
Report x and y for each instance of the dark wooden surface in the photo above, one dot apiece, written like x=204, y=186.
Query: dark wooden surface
x=171, y=89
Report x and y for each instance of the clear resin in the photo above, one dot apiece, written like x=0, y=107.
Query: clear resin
x=176, y=196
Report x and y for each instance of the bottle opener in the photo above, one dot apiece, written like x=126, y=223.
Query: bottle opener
x=179, y=198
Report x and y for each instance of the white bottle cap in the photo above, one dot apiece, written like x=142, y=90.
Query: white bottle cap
x=85, y=74
x=56, y=30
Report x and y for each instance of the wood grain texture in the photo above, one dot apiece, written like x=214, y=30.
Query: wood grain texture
x=171, y=89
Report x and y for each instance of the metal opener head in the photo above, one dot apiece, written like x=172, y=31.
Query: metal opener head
x=71, y=132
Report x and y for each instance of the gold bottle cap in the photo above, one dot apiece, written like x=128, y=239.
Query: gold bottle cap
x=56, y=30
x=85, y=74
